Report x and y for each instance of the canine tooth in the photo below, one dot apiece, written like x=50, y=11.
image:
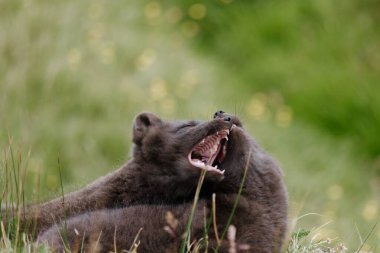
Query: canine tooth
x=222, y=171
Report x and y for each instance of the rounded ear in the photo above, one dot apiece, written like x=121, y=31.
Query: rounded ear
x=142, y=124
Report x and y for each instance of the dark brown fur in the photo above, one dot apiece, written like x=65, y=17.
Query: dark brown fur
x=159, y=179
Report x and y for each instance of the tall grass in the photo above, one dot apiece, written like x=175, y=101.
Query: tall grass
x=186, y=241
x=13, y=167
x=13, y=192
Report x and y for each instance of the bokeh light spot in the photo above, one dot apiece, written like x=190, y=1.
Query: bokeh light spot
x=74, y=58
x=370, y=210
x=107, y=54
x=146, y=59
x=284, y=116
x=190, y=77
x=95, y=11
x=173, y=15
x=190, y=28
x=335, y=192
x=96, y=32
x=197, y=11
x=257, y=107
x=187, y=84
x=157, y=89
x=152, y=10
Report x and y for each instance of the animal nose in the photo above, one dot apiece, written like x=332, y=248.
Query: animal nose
x=219, y=114
x=222, y=115
x=227, y=118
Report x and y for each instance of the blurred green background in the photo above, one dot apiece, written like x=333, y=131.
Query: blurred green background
x=304, y=76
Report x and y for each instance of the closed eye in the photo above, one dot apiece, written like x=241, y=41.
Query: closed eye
x=186, y=125
x=190, y=124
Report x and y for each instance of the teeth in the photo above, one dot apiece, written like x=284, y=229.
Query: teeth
x=204, y=166
x=207, y=148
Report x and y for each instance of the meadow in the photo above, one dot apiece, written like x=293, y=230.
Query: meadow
x=73, y=74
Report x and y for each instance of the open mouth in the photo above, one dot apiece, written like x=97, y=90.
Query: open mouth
x=210, y=152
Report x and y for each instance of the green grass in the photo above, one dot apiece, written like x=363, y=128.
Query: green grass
x=321, y=56
x=74, y=74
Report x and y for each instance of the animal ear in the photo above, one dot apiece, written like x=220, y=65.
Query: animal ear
x=143, y=123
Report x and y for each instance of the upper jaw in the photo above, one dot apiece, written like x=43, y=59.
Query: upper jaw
x=211, y=151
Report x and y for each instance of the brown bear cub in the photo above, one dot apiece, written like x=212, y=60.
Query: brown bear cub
x=149, y=200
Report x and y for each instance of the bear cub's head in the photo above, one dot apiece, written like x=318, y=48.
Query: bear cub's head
x=184, y=148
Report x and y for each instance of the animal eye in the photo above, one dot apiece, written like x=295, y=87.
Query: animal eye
x=188, y=124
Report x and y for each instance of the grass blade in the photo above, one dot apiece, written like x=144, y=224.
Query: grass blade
x=186, y=238
x=236, y=202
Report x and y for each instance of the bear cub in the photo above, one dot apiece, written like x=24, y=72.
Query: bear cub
x=149, y=199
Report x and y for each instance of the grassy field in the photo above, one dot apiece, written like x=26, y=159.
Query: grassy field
x=321, y=56
x=75, y=73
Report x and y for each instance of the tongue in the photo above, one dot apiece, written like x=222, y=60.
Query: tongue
x=210, y=151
